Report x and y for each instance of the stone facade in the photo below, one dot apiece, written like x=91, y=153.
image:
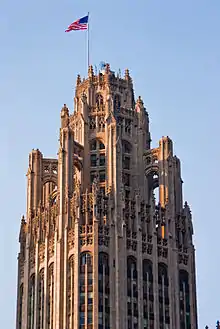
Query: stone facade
x=96, y=249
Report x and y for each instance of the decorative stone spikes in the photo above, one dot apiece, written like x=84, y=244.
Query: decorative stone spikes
x=22, y=229
x=139, y=104
x=65, y=109
x=127, y=74
x=22, y=220
x=140, y=101
x=84, y=98
x=107, y=68
x=187, y=210
x=64, y=116
x=90, y=72
x=78, y=80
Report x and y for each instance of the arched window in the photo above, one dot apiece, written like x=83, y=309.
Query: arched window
x=97, y=162
x=132, y=293
x=48, y=188
x=153, y=188
x=50, y=296
x=148, y=295
x=104, y=292
x=31, y=302
x=70, y=293
x=41, y=300
x=126, y=147
x=163, y=286
x=99, y=102
x=117, y=103
x=21, y=301
x=185, y=322
x=86, y=290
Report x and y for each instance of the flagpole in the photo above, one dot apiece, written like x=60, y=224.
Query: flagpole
x=88, y=41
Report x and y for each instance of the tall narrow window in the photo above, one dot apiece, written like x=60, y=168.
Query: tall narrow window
x=163, y=285
x=148, y=295
x=86, y=290
x=185, y=322
x=70, y=293
x=21, y=301
x=99, y=102
x=117, y=103
x=104, y=292
x=132, y=293
x=50, y=296
x=41, y=300
x=31, y=302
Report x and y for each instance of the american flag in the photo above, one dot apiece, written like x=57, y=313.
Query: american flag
x=80, y=24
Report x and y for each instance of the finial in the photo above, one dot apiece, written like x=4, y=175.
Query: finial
x=206, y=327
x=217, y=325
x=90, y=72
x=78, y=81
x=22, y=220
x=107, y=68
x=127, y=75
x=83, y=97
x=64, y=110
x=64, y=116
x=139, y=100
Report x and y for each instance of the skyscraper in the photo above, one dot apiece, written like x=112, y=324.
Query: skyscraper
x=107, y=240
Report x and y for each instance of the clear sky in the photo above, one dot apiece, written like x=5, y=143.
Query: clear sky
x=172, y=49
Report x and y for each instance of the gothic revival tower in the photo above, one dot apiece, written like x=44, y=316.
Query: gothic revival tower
x=96, y=249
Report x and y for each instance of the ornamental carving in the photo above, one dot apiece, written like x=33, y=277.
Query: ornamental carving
x=21, y=269
x=41, y=252
x=162, y=252
x=71, y=236
x=103, y=241
x=32, y=258
x=51, y=246
x=85, y=241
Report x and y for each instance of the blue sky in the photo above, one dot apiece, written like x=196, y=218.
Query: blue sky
x=173, y=52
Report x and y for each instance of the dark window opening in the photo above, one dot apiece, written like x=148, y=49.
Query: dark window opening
x=126, y=163
x=101, y=146
x=93, y=160
x=102, y=176
x=93, y=145
x=102, y=159
x=126, y=179
x=92, y=176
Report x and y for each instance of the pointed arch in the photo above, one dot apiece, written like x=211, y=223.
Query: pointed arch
x=70, y=292
x=21, y=304
x=163, y=286
x=104, y=290
x=148, y=294
x=31, y=302
x=41, y=299
x=50, y=296
x=86, y=289
x=99, y=102
x=132, y=292
x=184, y=295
